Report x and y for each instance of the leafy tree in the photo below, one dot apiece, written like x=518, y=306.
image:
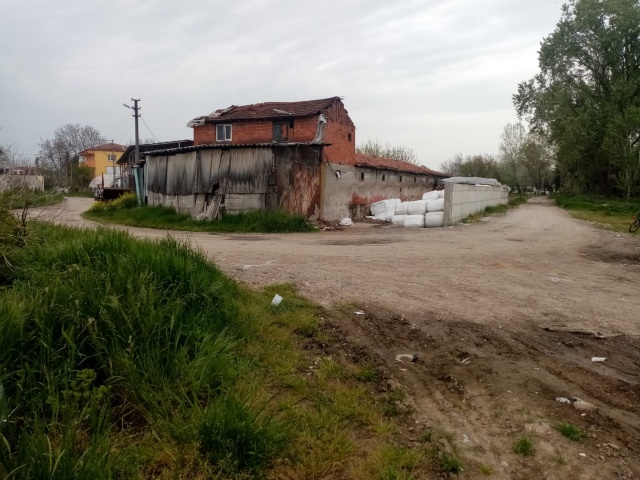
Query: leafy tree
x=484, y=166
x=59, y=155
x=397, y=152
x=512, y=142
x=537, y=162
x=586, y=97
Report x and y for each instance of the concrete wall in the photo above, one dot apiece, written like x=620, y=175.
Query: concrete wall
x=30, y=182
x=359, y=187
x=462, y=200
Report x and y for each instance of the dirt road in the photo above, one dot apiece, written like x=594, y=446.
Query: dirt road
x=471, y=301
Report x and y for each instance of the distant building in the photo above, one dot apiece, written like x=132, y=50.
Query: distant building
x=102, y=158
x=27, y=177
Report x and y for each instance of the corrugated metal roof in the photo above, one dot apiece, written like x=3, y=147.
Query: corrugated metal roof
x=380, y=163
x=266, y=110
x=225, y=146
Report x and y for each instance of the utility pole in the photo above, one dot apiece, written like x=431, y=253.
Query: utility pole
x=136, y=108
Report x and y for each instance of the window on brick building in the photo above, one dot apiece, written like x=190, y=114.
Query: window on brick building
x=278, y=130
x=349, y=136
x=291, y=123
x=223, y=133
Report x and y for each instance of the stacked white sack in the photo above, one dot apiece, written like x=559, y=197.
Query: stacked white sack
x=398, y=220
x=384, y=209
x=414, y=221
x=440, y=193
x=432, y=195
x=435, y=205
x=402, y=209
x=419, y=207
x=434, y=219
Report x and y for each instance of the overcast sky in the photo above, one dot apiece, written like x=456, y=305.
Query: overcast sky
x=434, y=75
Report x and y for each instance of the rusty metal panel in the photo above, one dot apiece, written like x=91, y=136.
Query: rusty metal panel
x=298, y=181
x=249, y=170
x=209, y=170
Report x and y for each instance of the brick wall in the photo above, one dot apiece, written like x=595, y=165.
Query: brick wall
x=340, y=132
x=260, y=131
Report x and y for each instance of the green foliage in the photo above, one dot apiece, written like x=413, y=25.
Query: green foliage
x=570, y=431
x=449, y=463
x=397, y=152
x=237, y=437
x=586, y=98
x=124, y=202
x=524, y=446
x=484, y=166
x=615, y=213
x=169, y=219
x=18, y=199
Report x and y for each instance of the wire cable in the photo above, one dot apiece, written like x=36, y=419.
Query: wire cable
x=145, y=124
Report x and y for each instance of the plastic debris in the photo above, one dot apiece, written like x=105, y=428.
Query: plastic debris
x=406, y=357
x=276, y=300
x=598, y=359
x=562, y=400
x=359, y=312
x=346, y=221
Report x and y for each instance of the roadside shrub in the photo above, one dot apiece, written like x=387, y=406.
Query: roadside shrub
x=125, y=202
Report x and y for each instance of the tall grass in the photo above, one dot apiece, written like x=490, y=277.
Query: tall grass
x=20, y=198
x=99, y=330
x=169, y=219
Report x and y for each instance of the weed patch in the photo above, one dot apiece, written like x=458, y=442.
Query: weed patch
x=524, y=446
x=570, y=431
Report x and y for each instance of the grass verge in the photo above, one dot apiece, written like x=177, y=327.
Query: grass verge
x=514, y=201
x=18, y=199
x=125, y=358
x=165, y=218
x=612, y=213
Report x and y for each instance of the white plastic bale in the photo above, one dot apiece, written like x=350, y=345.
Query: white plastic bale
x=432, y=195
x=419, y=207
x=440, y=193
x=434, y=219
x=387, y=216
x=398, y=220
x=402, y=209
x=435, y=205
x=382, y=206
x=414, y=221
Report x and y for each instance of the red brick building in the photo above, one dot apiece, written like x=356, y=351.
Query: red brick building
x=295, y=156
x=282, y=123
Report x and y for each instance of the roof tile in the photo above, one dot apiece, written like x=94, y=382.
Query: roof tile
x=381, y=163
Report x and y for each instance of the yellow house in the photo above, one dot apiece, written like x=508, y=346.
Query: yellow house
x=103, y=158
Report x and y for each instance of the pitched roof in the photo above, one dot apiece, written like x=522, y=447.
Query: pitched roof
x=371, y=161
x=106, y=147
x=265, y=110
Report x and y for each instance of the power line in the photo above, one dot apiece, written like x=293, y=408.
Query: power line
x=145, y=124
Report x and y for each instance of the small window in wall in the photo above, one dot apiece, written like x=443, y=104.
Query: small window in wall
x=277, y=132
x=414, y=179
x=349, y=136
x=383, y=177
x=223, y=133
x=400, y=178
x=291, y=123
x=362, y=176
x=111, y=157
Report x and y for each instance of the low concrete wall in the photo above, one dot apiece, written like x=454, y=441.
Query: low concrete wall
x=30, y=182
x=461, y=200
